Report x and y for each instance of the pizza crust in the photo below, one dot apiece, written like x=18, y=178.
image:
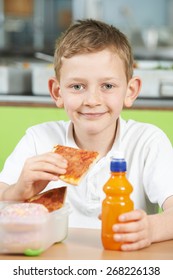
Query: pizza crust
x=71, y=180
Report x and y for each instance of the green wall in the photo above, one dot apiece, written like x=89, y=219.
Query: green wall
x=160, y=118
x=15, y=120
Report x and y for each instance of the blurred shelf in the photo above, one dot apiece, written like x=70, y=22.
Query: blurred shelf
x=160, y=53
x=154, y=103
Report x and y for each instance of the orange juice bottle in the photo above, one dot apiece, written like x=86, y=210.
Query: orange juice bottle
x=117, y=201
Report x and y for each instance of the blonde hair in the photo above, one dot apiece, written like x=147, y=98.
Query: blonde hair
x=86, y=36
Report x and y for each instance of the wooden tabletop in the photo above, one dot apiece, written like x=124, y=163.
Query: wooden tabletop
x=85, y=244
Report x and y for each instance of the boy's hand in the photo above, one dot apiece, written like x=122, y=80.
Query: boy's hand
x=37, y=172
x=134, y=230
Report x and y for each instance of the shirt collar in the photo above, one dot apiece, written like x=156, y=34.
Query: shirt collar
x=118, y=137
x=70, y=142
x=117, y=141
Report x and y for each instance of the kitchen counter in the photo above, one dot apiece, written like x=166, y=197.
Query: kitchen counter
x=46, y=101
x=154, y=103
x=26, y=100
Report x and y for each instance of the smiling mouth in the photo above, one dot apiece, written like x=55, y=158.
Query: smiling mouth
x=93, y=115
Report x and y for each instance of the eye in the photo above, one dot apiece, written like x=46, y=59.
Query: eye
x=107, y=86
x=78, y=87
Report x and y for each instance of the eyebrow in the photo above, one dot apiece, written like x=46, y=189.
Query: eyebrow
x=79, y=79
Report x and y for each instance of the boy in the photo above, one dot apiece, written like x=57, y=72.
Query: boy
x=94, y=80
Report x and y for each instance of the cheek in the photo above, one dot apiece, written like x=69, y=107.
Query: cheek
x=116, y=104
x=116, y=101
x=71, y=103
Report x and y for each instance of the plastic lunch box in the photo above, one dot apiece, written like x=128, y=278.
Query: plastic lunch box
x=34, y=235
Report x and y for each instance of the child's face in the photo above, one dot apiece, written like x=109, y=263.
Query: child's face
x=93, y=88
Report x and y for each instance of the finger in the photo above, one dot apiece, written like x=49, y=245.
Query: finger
x=42, y=176
x=135, y=246
x=129, y=227
x=100, y=216
x=47, y=167
x=132, y=216
x=55, y=159
x=129, y=237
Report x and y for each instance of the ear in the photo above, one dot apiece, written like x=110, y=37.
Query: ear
x=133, y=90
x=55, y=92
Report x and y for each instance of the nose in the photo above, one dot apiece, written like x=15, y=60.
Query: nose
x=92, y=97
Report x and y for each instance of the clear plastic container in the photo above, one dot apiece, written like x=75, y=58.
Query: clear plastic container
x=31, y=236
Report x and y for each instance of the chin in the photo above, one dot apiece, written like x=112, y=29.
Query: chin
x=93, y=130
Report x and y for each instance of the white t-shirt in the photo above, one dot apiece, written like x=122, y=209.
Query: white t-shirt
x=146, y=148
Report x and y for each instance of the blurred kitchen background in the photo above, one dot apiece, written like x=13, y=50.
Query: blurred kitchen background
x=29, y=28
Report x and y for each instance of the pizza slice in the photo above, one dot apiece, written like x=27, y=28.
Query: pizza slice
x=79, y=162
x=52, y=199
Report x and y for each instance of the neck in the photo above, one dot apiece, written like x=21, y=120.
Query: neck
x=101, y=142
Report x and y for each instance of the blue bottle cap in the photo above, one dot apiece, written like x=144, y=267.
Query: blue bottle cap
x=118, y=164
